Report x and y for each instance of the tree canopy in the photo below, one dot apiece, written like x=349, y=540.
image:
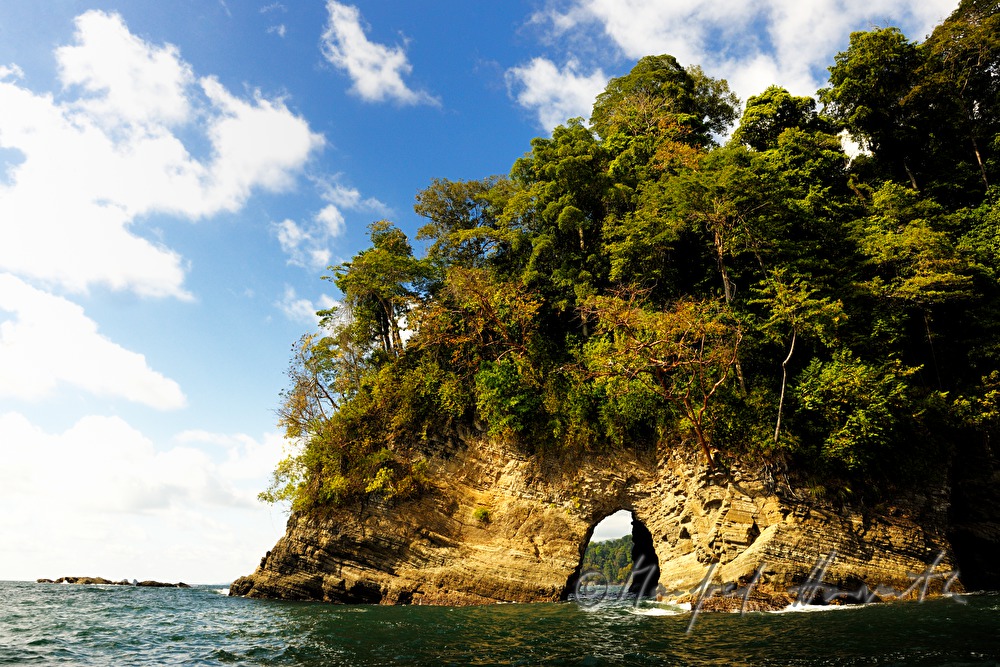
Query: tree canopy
x=634, y=285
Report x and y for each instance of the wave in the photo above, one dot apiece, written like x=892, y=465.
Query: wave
x=796, y=608
x=658, y=611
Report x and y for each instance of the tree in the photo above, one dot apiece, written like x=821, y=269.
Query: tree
x=869, y=87
x=311, y=399
x=853, y=410
x=656, y=86
x=462, y=220
x=714, y=199
x=772, y=112
x=912, y=264
x=795, y=311
x=684, y=353
x=960, y=79
x=557, y=210
x=380, y=287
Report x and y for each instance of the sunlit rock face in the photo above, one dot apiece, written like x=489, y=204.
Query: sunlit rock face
x=729, y=526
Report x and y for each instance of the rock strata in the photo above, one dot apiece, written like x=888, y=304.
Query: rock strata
x=730, y=526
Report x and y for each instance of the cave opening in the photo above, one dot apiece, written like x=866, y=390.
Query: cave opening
x=618, y=552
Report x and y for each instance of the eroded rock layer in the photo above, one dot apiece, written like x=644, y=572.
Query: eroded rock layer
x=526, y=541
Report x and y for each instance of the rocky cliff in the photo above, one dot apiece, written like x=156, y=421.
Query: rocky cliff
x=503, y=527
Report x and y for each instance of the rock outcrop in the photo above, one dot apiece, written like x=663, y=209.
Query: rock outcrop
x=502, y=527
x=107, y=582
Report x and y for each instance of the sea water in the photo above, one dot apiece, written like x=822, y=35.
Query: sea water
x=48, y=624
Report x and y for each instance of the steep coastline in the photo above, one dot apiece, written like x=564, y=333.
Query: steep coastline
x=434, y=550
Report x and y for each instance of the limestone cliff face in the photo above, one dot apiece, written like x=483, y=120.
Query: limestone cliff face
x=434, y=550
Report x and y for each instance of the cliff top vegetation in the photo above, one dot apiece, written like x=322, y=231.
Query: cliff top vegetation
x=634, y=284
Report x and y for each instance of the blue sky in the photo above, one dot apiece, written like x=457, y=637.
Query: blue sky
x=175, y=177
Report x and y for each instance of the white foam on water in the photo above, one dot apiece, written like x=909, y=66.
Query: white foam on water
x=662, y=609
x=657, y=611
x=796, y=608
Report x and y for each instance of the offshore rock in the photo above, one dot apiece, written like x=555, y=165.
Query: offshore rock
x=733, y=525
x=101, y=581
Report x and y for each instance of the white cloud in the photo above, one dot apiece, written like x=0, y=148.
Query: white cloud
x=258, y=144
x=122, y=78
x=554, y=94
x=613, y=526
x=247, y=458
x=376, y=70
x=751, y=43
x=103, y=495
x=280, y=30
x=300, y=309
x=332, y=220
x=51, y=342
x=343, y=196
x=110, y=149
x=307, y=244
x=11, y=71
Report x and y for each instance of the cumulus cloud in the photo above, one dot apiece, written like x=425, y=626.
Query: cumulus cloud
x=376, y=70
x=751, y=43
x=121, y=78
x=49, y=342
x=613, y=526
x=110, y=150
x=555, y=94
x=300, y=309
x=122, y=502
x=307, y=243
x=11, y=71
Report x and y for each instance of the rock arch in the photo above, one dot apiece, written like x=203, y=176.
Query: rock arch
x=434, y=550
x=646, y=567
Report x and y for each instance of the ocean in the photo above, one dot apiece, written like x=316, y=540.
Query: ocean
x=46, y=624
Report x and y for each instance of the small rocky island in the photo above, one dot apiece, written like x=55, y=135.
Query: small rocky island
x=782, y=359
x=689, y=520
x=101, y=581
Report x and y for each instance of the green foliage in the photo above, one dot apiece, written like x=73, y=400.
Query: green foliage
x=482, y=515
x=632, y=286
x=379, y=287
x=506, y=398
x=612, y=558
x=772, y=112
x=852, y=408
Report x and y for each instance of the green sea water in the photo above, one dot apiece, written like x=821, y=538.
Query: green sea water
x=44, y=624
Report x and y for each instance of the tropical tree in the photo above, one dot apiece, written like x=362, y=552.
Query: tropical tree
x=380, y=287
x=684, y=354
x=772, y=112
x=870, y=84
x=794, y=311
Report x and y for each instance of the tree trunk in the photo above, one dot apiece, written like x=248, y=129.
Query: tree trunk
x=784, y=383
x=979, y=160
x=728, y=293
x=913, y=179
x=930, y=341
x=704, y=447
x=972, y=138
